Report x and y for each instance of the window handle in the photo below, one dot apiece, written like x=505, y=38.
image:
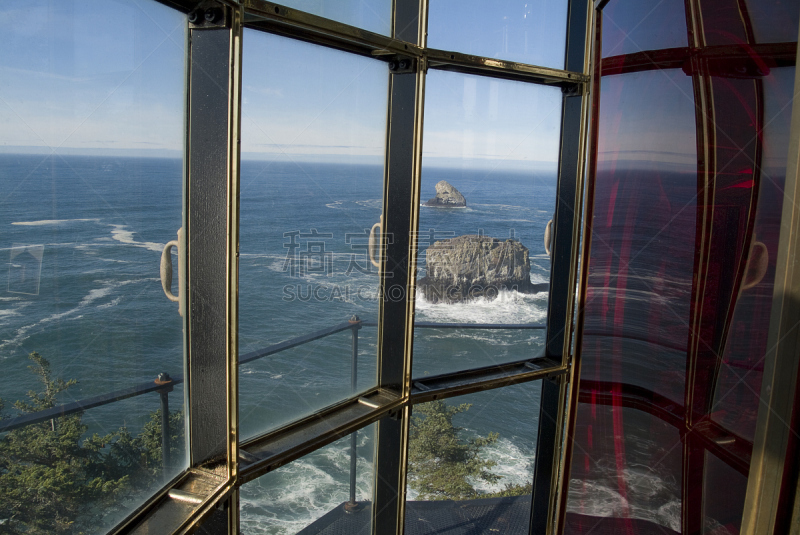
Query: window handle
x=166, y=270
x=548, y=238
x=372, y=241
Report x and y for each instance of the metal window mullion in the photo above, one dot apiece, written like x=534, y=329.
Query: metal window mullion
x=211, y=239
x=549, y=473
x=396, y=325
x=212, y=254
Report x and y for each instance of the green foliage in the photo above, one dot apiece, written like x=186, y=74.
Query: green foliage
x=52, y=480
x=441, y=463
x=149, y=440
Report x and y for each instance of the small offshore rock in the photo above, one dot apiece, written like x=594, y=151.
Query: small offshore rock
x=472, y=266
x=447, y=196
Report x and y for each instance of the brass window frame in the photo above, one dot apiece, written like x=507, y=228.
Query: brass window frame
x=204, y=498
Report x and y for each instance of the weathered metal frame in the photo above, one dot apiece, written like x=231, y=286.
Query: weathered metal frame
x=551, y=445
x=276, y=18
x=594, y=40
x=771, y=472
x=205, y=497
x=402, y=168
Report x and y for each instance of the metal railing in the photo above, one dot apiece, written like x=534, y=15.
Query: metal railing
x=164, y=383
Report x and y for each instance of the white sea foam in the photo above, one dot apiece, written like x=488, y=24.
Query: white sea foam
x=5, y=313
x=294, y=496
x=538, y=278
x=50, y=222
x=114, y=302
x=371, y=203
x=120, y=234
x=507, y=307
x=513, y=464
x=95, y=294
x=649, y=498
x=501, y=207
x=351, y=205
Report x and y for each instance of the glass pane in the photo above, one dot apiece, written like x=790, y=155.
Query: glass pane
x=736, y=395
x=626, y=471
x=631, y=26
x=724, y=22
x=642, y=255
x=313, y=130
x=730, y=22
x=483, y=260
x=724, y=492
x=773, y=21
x=319, y=493
x=91, y=130
x=375, y=16
x=470, y=462
x=514, y=30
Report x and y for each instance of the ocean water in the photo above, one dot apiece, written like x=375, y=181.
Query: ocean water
x=82, y=237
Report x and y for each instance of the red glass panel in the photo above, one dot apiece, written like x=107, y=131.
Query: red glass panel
x=627, y=454
x=723, y=497
x=735, y=403
x=731, y=22
x=643, y=233
x=625, y=474
x=686, y=206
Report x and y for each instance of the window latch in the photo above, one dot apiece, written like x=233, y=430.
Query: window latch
x=208, y=15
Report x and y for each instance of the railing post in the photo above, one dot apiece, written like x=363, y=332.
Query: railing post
x=166, y=380
x=351, y=505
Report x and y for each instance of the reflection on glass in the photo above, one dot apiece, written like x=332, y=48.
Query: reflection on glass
x=375, y=16
x=318, y=493
x=470, y=462
x=631, y=26
x=735, y=23
x=483, y=260
x=773, y=21
x=724, y=492
x=91, y=130
x=311, y=190
x=627, y=463
x=514, y=30
x=625, y=479
x=684, y=244
x=736, y=393
x=640, y=274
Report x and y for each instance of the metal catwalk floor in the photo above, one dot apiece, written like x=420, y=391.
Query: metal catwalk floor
x=490, y=515
x=474, y=517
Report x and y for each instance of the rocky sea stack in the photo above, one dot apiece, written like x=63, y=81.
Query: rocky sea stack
x=447, y=196
x=472, y=266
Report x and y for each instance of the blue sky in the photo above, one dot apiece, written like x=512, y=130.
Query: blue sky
x=91, y=74
x=109, y=75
